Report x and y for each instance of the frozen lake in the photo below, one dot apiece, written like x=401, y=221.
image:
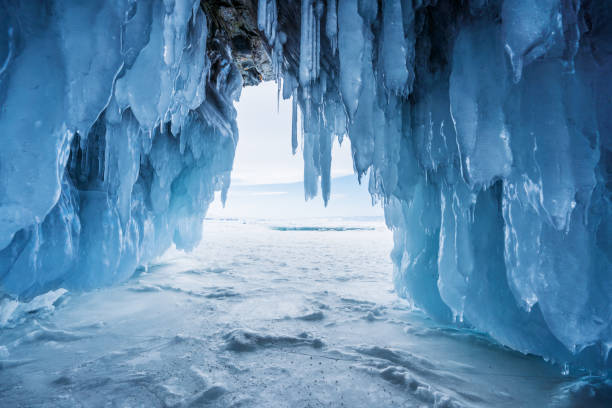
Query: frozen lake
x=262, y=314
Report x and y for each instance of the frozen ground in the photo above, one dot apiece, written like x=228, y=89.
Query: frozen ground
x=263, y=314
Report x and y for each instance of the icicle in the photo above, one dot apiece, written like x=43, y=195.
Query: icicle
x=325, y=158
x=311, y=155
x=350, y=49
x=331, y=25
x=272, y=22
x=306, y=41
x=262, y=14
x=278, y=93
x=394, y=49
x=277, y=58
x=294, y=114
x=267, y=19
x=317, y=45
x=310, y=42
x=107, y=151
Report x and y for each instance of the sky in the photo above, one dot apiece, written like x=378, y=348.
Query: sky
x=267, y=178
x=263, y=154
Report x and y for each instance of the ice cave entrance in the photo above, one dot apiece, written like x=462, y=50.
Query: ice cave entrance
x=486, y=125
x=267, y=180
x=284, y=303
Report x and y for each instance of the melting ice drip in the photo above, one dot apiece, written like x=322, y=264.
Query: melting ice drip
x=485, y=127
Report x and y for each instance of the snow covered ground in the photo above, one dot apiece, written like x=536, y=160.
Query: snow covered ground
x=264, y=314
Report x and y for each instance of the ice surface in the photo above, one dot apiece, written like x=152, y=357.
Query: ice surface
x=485, y=128
x=323, y=327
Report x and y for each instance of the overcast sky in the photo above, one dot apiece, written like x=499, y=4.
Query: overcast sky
x=264, y=166
x=263, y=155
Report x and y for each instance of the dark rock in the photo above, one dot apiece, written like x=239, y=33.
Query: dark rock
x=236, y=22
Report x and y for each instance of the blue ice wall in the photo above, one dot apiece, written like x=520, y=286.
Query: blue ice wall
x=117, y=126
x=485, y=127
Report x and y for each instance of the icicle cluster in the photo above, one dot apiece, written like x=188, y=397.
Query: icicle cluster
x=117, y=126
x=485, y=127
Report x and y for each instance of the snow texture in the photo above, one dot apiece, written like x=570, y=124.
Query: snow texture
x=485, y=128
x=318, y=330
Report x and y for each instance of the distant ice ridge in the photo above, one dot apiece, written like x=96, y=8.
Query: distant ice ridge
x=486, y=129
x=117, y=126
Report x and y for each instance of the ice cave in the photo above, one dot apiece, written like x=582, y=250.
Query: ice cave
x=481, y=130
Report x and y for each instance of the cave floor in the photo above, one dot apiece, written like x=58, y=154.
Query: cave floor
x=260, y=316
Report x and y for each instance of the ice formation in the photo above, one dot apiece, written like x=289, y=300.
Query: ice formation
x=117, y=126
x=485, y=127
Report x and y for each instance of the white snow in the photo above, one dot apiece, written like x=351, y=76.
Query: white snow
x=296, y=331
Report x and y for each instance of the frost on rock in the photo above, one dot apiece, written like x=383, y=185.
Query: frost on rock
x=485, y=129
x=117, y=126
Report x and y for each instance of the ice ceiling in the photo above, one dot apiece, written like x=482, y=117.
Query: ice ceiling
x=485, y=128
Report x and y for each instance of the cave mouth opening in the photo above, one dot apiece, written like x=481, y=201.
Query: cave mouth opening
x=267, y=179
x=283, y=302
